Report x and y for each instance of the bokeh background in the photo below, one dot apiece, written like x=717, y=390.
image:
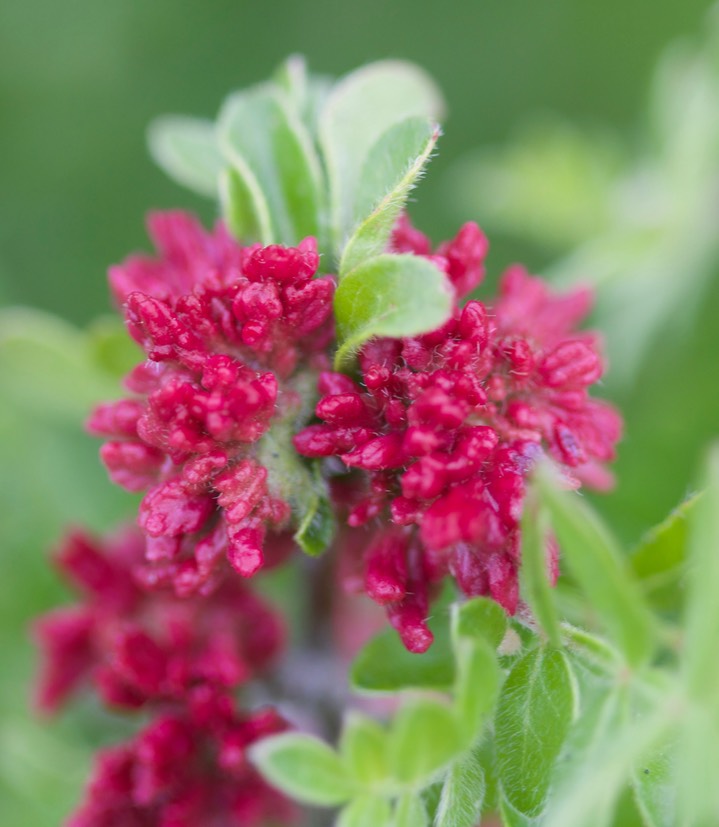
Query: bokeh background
x=81, y=79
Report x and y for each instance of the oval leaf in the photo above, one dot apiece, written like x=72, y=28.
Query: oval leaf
x=392, y=169
x=477, y=686
x=186, y=149
x=424, y=738
x=479, y=618
x=360, y=108
x=304, y=768
x=363, y=746
x=384, y=665
x=263, y=140
x=536, y=708
x=389, y=296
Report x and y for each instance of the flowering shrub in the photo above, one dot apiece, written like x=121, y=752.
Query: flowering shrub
x=317, y=378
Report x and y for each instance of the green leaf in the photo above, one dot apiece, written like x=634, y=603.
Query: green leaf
x=270, y=149
x=384, y=665
x=363, y=747
x=49, y=368
x=604, y=747
x=113, y=350
x=300, y=484
x=424, y=738
x=479, y=618
x=536, y=708
x=533, y=572
x=477, y=686
x=655, y=788
x=366, y=811
x=360, y=108
x=658, y=561
x=389, y=295
x=410, y=812
x=244, y=206
x=460, y=804
x=596, y=562
x=392, y=169
x=304, y=768
x=592, y=650
x=699, y=745
x=186, y=149
x=513, y=818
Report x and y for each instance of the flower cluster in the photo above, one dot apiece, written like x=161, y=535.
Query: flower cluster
x=179, y=661
x=225, y=329
x=443, y=429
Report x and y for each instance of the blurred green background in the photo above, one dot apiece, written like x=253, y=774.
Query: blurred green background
x=79, y=82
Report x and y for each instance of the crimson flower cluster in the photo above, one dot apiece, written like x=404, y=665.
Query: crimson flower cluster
x=179, y=661
x=225, y=329
x=444, y=428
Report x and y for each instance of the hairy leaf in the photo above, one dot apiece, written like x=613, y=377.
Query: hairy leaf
x=536, y=708
x=304, y=768
x=389, y=296
x=655, y=788
x=186, y=149
x=391, y=170
x=360, y=108
x=460, y=804
x=477, y=686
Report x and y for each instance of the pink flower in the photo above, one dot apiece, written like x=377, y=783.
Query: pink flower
x=137, y=646
x=187, y=768
x=443, y=429
x=225, y=330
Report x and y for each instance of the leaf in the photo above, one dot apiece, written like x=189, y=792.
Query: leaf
x=479, y=617
x=536, y=707
x=363, y=747
x=304, y=768
x=424, y=738
x=699, y=668
x=477, y=685
x=512, y=817
x=389, y=295
x=244, y=206
x=658, y=561
x=602, y=752
x=460, y=804
x=270, y=149
x=113, y=351
x=359, y=109
x=300, y=484
x=390, y=172
x=596, y=562
x=366, y=811
x=533, y=571
x=384, y=665
x=186, y=149
x=48, y=368
x=592, y=650
x=655, y=789
x=410, y=812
